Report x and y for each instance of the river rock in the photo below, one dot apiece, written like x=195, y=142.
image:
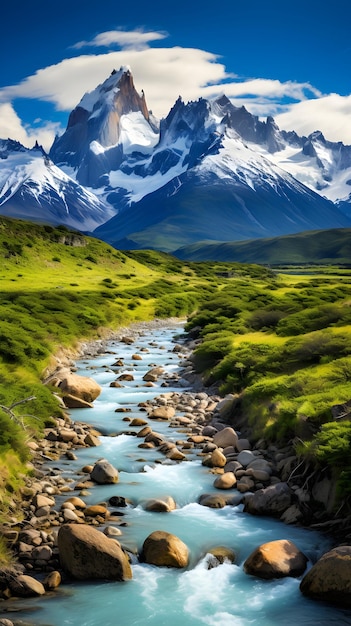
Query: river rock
x=78, y=503
x=86, y=553
x=104, y=473
x=160, y=505
x=96, y=509
x=153, y=374
x=73, y=402
x=271, y=501
x=219, y=555
x=138, y=421
x=175, y=455
x=212, y=500
x=276, y=559
x=245, y=457
x=164, y=549
x=26, y=586
x=52, y=580
x=92, y=441
x=126, y=377
x=226, y=437
x=81, y=387
x=214, y=459
x=225, y=481
x=162, y=413
x=330, y=578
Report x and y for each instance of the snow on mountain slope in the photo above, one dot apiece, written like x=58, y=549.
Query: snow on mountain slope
x=32, y=187
x=231, y=193
x=108, y=124
x=207, y=170
x=322, y=172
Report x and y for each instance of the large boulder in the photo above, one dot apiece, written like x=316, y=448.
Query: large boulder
x=276, y=559
x=226, y=437
x=271, y=501
x=164, y=549
x=81, y=387
x=104, y=473
x=330, y=578
x=86, y=553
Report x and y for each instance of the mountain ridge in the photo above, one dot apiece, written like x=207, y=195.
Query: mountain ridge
x=208, y=170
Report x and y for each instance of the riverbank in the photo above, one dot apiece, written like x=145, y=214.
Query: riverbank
x=51, y=500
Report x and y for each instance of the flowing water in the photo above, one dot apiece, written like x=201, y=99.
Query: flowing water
x=195, y=596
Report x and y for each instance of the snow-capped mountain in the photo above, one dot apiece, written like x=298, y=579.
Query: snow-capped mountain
x=108, y=124
x=33, y=188
x=223, y=191
x=209, y=170
x=323, y=166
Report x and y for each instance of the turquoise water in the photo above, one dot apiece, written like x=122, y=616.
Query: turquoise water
x=222, y=596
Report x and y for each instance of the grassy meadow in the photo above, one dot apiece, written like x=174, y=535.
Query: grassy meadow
x=280, y=340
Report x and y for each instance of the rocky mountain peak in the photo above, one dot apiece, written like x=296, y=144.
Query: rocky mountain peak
x=98, y=126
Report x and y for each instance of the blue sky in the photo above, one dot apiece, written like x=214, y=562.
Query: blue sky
x=286, y=59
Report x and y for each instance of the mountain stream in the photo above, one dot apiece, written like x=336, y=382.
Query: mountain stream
x=158, y=596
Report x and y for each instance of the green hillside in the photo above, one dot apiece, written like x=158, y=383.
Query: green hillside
x=280, y=341
x=58, y=287
x=319, y=247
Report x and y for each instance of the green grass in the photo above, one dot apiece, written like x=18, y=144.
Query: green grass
x=58, y=287
x=283, y=344
x=282, y=341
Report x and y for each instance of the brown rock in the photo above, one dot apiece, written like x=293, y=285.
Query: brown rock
x=162, y=413
x=226, y=437
x=160, y=505
x=96, y=509
x=81, y=387
x=78, y=503
x=164, y=549
x=126, y=377
x=330, y=578
x=86, y=553
x=220, y=555
x=153, y=374
x=276, y=559
x=92, y=441
x=213, y=501
x=225, y=481
x=52, y=581
x=175, y=455
x=73, y=402
x=138, y=421
x=26, y=586
x=215, y=459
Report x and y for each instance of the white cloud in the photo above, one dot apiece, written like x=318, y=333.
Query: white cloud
x=331, y=114
x=11, y=127
x=164, y=74
x=137, y=39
